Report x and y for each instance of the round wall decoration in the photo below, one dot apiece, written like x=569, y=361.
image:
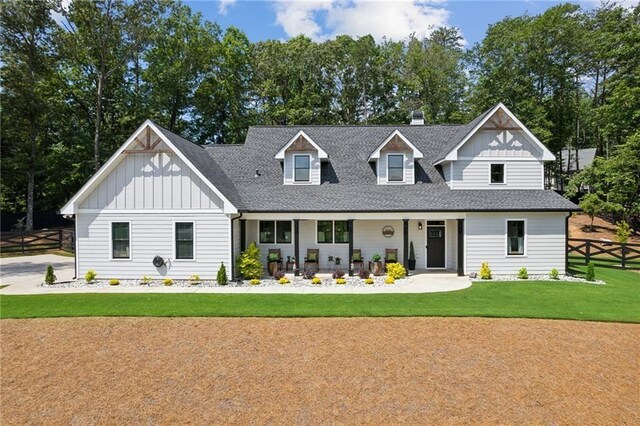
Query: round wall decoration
x=388, y=231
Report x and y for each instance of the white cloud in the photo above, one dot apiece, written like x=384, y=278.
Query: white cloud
x=224, y=5
x=323, y=19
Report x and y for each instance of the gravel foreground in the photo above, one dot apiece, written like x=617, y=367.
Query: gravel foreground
x=318, y=371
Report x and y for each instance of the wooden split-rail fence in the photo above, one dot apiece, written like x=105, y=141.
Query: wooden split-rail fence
x=22, y=242
x=627, y=253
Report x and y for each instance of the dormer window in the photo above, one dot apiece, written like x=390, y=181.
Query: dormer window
x=395, y=167
x=302, y=165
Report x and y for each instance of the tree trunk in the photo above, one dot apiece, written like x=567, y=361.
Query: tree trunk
x=31, y=178
x=96, y=134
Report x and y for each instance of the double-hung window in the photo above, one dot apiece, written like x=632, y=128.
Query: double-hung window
x=332, y=231
x=184, y=240
x=275, y=232
x=497, y=173
x=120, y=240
x=516, y=237
x=395, y=168
x=301, y=168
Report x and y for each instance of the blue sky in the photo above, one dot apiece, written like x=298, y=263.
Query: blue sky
x=322, y=19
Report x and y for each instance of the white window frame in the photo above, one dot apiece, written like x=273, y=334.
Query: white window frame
x=333, y=230
x=404, y=159
x=119, y=259
x=506, y=236
x=175, y=242
x=275, y=233
x=504, y=173
x=294, y=168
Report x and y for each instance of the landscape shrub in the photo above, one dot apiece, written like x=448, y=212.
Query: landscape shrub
x=623, y=231
x=145, y=280
x=554, y=274
x=167, y=281
x=316, y=280
x=284, y=280
x=389, y=280
x=338, y=274
x=50, y=277
x=591, y=273
x=90, y=276
x=248, y=264
x=194, y=278
x=254, y=281
x=222, y=275
x=485, y=271
x=396, y=270
x=364, y=274
x=308, y=275
x=368, y=281
x=341, y=281
x=114, y=282
x=523, y=274
x=277, y=275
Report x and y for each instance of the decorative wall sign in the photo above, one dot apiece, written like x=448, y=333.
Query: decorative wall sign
x=388, y=231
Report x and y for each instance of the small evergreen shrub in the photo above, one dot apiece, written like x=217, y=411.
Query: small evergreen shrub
x=277, y=275
x=364, y=274
x=145, y=280
x=591, y=273
x=376, y=257
x=284, y=280
x=368, y=281
x=254, y=281
x=114, y=282
x=554, y=275
x=50, y=277
x=308, y=275
x=523, y=274
x=389, y=280
x=338, y=274
x=485, y=271
x=90, y=276
x=195, y=279
x=249, y=264
x=316, y=280
x=222, y=275
x=167, y=281
x=396, y=271
x=341, y=281
x=623, y=231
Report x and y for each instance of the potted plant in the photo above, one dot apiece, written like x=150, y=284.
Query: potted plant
x=376, y=265
x=272, y=263
x=412, y=257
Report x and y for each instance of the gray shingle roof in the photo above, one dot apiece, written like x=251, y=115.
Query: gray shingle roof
x=348, y=180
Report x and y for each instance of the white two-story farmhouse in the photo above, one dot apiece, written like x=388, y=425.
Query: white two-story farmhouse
x=460, y=194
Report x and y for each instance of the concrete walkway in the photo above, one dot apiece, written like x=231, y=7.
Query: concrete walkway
x=25, y=274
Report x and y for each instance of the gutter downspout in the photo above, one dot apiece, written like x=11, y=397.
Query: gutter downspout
x=233, y=263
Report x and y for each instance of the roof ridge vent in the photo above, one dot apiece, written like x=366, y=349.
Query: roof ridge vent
x=417, y=117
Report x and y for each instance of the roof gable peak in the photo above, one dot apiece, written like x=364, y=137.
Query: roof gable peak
x=396, y=137
x=301, y=142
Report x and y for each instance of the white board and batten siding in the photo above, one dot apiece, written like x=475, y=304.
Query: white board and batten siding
x=524, y=168
x=409, y=168
x=486, y=241
x=314, y=168
x=152, y=191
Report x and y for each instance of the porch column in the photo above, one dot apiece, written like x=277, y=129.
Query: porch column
x=296, y=246
x=243, y=235
x=460, y=247
x=350, y=260
x=405, y=244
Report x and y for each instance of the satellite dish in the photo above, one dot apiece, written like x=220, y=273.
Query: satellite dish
x=158, y=261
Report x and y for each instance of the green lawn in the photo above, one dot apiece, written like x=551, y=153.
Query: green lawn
x=618, y=300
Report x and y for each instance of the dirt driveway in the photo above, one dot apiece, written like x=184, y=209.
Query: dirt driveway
x=313, y=371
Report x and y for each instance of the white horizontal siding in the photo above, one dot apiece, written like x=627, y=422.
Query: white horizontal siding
x=474, y=174
x=494, y=143
x=409, y=168
x=152, y=181
x=314, y=172
x=151, y=235
x=486, y=242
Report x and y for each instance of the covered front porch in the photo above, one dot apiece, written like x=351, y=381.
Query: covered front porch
x=438, y=240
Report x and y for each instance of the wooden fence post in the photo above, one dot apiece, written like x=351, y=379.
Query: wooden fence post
x=588, y=252
x=60, y=237
x=624, y=255
x=22, y=242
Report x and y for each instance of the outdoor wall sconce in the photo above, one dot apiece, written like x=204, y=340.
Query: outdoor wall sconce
x=420, y=226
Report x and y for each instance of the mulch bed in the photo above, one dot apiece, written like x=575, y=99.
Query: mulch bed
x=313, y=371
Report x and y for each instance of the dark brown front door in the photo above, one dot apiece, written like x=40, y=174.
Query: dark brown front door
x=435, y=247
